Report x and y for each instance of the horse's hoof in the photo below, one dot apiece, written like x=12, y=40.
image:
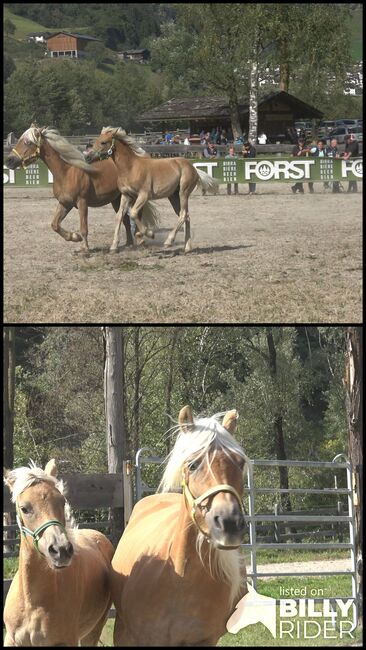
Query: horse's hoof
x=150, y=234
x=76, y=237
x=113, y=250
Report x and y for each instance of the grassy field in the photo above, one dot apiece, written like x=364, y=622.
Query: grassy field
x=24, y=26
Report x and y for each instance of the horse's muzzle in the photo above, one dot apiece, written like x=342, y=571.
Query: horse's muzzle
x=90, y=156
x=60, y=554
x=12, y=162
x=227, y=529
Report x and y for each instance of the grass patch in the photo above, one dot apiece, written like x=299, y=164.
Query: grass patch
x=10, y=567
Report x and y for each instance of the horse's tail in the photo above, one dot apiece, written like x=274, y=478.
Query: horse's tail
x=150, y=216
x=207, y=183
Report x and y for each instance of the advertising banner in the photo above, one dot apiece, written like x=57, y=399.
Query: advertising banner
x=254, y=170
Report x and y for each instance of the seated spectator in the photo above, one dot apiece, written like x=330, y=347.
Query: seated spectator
x=210, y=151
x=186, y=140
x=168, y=137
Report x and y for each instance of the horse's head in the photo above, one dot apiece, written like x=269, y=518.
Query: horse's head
x=40, y=508
x=103, y=146
x=27, y=149
x=212, y=466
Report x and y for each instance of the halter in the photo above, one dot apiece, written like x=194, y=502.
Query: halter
x=28, y=160
x=36, y=534
x=108, y=154
x=193, y=502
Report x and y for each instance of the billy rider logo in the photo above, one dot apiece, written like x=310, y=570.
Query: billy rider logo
x=305, y=618
x=264, y=171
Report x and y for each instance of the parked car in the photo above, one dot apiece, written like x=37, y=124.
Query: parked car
x=325, y=126
x=346, y=122
x=303, y=128
x=341, y=131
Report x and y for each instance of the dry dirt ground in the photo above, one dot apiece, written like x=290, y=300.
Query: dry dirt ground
x=305, y=567
x=273, y=257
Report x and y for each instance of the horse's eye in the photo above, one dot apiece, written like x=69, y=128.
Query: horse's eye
x=24, y=510
x=194, y=465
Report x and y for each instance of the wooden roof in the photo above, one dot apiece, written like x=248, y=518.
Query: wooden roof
x=218, y=107
x=88, y=38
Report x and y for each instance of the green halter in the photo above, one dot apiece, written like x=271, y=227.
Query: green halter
x=36, y=534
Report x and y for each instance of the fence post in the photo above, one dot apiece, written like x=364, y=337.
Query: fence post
x=127, y=490
x=277, y=533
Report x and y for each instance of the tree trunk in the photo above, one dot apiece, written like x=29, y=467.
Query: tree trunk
x=253, y=104
x=285, y=76
x=136, y=391
x=354, y=384
x=115, y=429
x=278, y=427
x=169, y=386
x=234, y=114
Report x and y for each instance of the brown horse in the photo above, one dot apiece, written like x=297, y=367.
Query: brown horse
x=75, y=184
x=177, y=571
x=141, y=179
x=61, y=592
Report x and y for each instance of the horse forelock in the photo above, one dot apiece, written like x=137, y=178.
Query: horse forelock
x=31, y=134
x=25, y=477
x=195, y=443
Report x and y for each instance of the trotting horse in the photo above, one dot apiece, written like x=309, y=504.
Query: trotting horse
x=61, y=593
x=141, y=178
x=177, y=571
x=75, y=183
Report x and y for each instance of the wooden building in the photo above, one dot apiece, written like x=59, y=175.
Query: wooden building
x=276, y=112
x=63, y=44
x=139, y=56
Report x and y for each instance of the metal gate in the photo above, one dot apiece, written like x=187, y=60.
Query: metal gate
x=146, y=456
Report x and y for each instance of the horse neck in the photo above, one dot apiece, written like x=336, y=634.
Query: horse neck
x=35, y=576
x=123, y=156
x=55, y=164
x=183, y=549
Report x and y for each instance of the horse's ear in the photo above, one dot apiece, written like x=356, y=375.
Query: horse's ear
x=230, y=420
x=9, y=478
x=51, y=468
x=185, y=418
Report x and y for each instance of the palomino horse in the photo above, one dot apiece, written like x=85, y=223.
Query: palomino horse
x=178, y=572
x=61, y=593
x=75, y=184
x=141, y=178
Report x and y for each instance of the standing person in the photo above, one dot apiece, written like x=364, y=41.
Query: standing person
x=299, y=150
x=249, y=151
x=232, y=156
x=351, y=151
x=317, y=151
x=332, y=152
x=262, y=138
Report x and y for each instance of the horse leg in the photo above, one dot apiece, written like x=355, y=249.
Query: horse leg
x=83, y=214
x=60, y=215
x=136, y=210
x=92, y=638
x=183, y=219
x=126, y=222
x=122, y=211
x=175, y=202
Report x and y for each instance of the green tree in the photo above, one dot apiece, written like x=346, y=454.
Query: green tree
x=9, y=66
x=97, y=52
x=9, y=27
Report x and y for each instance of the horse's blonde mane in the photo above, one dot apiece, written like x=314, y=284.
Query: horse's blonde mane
x=227, y=565
x=194, y=444
x=121, y=135
x=24, y=477
x=67, y=152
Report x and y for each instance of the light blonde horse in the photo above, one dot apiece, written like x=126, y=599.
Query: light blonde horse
x=141, y=179
x=177, y=571
x=75, y=183
x=61, y=593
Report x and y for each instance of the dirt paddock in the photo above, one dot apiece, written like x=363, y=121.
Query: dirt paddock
x=272, y=257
